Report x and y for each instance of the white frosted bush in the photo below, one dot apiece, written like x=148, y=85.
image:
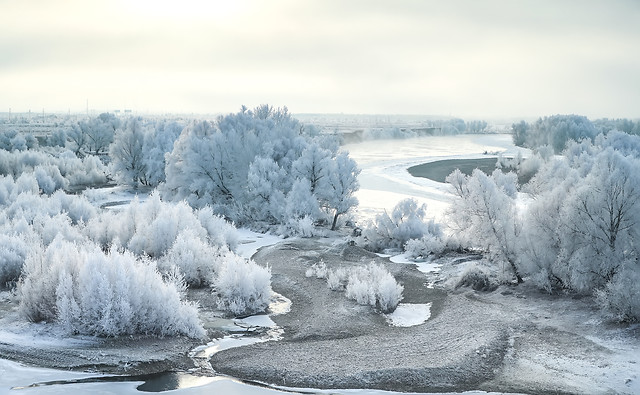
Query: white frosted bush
x=620, y=299
x=80, y=172
x=90, y=292
x=151, y=227
x=242, y=286
x=301, y=227
x=406, y=222
x=49, y=179
x=48, y=228
x=74, y=171
x=369, y=285
x=375, y=286
x=26, y=182
x=195, y=259
x=424, y=246
x=13, y=252
x=478, y=278
x=317, y=270
x=337, y=279
x=77, y=207
x=221, y=233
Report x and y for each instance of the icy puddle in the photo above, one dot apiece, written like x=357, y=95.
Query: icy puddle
x=407, y=314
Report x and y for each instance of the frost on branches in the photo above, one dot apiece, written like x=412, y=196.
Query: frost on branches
x=91, y=292
x=367, y=284
x=262, y=168
x=406, y=228
x=580, y=231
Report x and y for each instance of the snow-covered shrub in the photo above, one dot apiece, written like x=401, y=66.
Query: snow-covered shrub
x=77, y=172
x=48, y=228
x=424, y=246
x=26, y=182
x=49, y=179
x=242, y=286
x=220, y=232
x=76, y=207
x=317, y=270
x=90, y=292
x=57, y=138
x=368, y=284
x=151, y=227
x=620, y=298
x=12, y=140
x=195, y=259
x=375, y=286
x=82, y=172
x=337, y=279
x=161, y=225
x=13, y=252
x=406, y=222
x=476, y=278
x=301, y=227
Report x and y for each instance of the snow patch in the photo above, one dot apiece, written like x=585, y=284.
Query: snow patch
x=407, y=314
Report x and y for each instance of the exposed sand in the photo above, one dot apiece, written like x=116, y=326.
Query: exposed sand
x=512, y=340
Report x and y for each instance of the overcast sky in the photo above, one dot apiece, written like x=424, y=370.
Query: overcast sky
x=502, y=58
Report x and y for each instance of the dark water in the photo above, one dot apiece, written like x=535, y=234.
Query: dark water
x=439, y=170
x=158, y=382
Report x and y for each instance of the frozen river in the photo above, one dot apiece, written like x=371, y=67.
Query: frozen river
x=385, y=181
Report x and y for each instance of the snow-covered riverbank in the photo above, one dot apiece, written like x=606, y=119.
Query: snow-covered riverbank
x=384, y=180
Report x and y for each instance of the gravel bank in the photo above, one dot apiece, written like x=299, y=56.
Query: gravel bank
x=512, y=340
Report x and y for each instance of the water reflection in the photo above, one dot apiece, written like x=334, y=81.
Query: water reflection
x=174, y=380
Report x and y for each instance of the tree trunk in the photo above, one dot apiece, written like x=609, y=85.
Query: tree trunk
x=335, y=220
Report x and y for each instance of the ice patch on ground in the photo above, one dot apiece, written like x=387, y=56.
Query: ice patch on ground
x=251, y=242
x=115, y=197
x=279, y=304
x=407, y=314
x=261, y=320
x=423, y=266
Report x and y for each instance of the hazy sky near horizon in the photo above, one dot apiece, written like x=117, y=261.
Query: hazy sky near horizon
x=468, y=58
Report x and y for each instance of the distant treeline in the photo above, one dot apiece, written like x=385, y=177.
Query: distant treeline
x=432, y=128
x=556, y=130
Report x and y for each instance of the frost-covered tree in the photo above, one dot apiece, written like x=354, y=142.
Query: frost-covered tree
x=260, y=167
x=519, y=131
x=340, y=185
x=483, y=214
x=313, y=165
x=555, y=131
x=127, y=154
x=267, y=187
x=93, y=136
x=158, y=142
x=602, y=219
